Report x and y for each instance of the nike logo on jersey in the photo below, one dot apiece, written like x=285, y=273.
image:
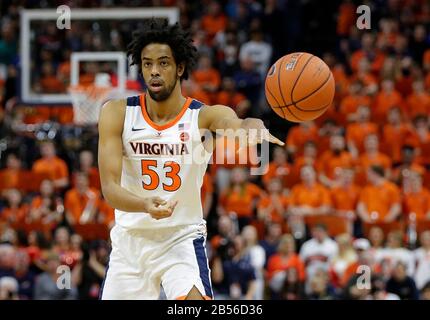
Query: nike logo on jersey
x=137, y=129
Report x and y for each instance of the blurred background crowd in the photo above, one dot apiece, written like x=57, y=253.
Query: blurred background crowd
x=347, y=199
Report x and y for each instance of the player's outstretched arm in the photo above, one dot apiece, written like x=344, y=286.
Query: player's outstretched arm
x=218, y=117
x=110, y=165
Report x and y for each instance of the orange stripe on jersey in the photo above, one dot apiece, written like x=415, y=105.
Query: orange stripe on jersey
x=170, y=123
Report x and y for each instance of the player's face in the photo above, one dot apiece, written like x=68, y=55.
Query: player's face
x=159, y=70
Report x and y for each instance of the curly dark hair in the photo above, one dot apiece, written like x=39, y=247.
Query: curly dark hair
x=159, y=31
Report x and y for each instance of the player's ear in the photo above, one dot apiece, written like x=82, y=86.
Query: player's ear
x=180, y=70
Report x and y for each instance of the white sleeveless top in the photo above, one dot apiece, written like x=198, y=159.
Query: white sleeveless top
x=168, y=161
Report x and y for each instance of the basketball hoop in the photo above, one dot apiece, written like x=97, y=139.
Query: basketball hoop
x=88, y=100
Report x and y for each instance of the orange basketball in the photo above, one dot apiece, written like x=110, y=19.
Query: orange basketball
x=299, y=87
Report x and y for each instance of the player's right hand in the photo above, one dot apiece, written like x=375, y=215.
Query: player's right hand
x=159, y=208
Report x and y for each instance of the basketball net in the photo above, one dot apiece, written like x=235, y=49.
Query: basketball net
x=88, y=100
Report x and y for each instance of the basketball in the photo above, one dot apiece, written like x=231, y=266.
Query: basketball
x=299, y=87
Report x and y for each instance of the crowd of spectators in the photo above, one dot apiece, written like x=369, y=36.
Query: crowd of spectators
x=348, y=197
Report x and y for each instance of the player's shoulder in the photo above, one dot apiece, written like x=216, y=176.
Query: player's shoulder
x=113, y=112
x=114, y=105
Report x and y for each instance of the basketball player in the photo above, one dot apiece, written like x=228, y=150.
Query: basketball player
x=159, y=234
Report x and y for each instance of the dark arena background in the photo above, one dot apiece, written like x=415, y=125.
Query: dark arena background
x=343, y=212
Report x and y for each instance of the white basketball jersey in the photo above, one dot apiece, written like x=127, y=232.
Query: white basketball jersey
x=168, y=161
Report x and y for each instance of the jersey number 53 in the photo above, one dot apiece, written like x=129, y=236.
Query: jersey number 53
x=171, y=170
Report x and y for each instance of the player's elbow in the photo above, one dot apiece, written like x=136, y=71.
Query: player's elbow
x=108, y=193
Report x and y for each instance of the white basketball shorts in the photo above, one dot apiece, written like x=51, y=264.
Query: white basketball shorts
x=142, y=260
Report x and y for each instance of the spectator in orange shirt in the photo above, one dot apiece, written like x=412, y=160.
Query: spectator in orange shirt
x=394, y=135
x=52, y=165
x=405, y=77
x=421, y=138
x=344, y=196
x=388, y=34
x=418, y=102
x=416, y=199
x=278, y=167
x=408, y=165
x=390, y=69
x=346, y=18
x=207, y=77
x=64, y=67
x=340, y=78
x=349, y=105
x=15, y=209
x=81, y=202
x=191, y=89
x=327, y=129
x=364, y=74
x=49, y=82
x=372, y=156
x=10, y=175
x=380, y=199
x=227, y=155
x=240, y=198
x=279, y=264
x=229, y=96
x=299, y=135
x=273, y=206
x=368, y=50
x=307, y=198
x=386, y=99
x=86, y=165
x=46, y=206
x=356, y=132
x=335, y=158
x=90, y=69
x=309, y=158
x=214, y=21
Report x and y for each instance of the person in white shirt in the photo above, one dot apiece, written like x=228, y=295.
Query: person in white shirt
x=318, y=251
x=422, y=261
x=257, y=256
x=376, y=238
x=346, y=256
x=395, y=252
x=258, y=51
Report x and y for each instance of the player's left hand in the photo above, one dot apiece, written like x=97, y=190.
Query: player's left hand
x=257, y=132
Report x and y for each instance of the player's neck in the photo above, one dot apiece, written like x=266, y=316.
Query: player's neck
x=167, y=109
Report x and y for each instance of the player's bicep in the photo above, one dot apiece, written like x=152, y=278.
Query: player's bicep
x=216, y=117
x=110, y=142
